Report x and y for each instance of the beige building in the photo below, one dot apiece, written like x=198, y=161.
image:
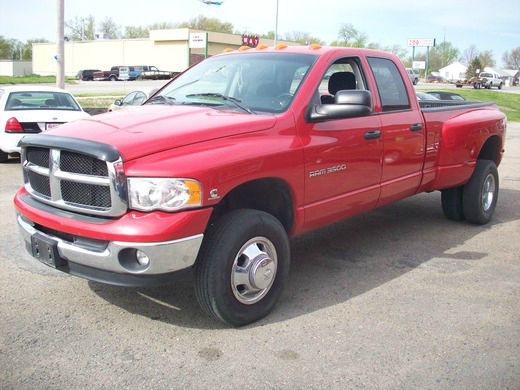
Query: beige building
x=165, y=49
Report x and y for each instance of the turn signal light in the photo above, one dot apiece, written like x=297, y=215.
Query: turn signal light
x=13, y=126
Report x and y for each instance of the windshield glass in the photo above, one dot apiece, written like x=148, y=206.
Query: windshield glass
x=40, y=100
x=249, y=82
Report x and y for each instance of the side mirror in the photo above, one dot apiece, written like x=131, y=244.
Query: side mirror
x=348, y=104
x=118, y=102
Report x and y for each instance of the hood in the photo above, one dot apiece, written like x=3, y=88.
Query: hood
x=150, y=129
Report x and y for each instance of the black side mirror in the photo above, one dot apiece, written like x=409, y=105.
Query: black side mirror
x=118, y=102
x=348, y=104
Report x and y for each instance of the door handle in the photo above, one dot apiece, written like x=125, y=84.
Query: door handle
x=416, y=127
x=373, y=134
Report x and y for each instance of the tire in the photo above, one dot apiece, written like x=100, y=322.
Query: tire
x=500, y=86
x=223, y=263
x=3, y=157
x=112, y=78
x=452, y=203
x=481, y=193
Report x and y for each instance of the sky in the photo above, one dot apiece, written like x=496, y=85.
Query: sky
x=489, y=25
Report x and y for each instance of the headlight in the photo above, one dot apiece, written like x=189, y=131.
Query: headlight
x=147, y=194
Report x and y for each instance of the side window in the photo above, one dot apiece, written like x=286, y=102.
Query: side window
x=129, y=98
x=343, y=74
x=392, y=90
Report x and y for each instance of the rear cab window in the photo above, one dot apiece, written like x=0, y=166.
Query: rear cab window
x=392, y=90
x=39, y=100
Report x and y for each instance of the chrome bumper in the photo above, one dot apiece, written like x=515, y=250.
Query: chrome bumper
x=165, y=257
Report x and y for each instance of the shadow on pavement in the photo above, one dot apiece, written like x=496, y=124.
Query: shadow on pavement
x=337, y=263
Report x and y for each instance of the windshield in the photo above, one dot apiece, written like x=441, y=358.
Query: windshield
x=41, y=100
x=248, y=82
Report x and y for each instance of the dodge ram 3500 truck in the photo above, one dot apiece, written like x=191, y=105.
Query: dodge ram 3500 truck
x=217, y=170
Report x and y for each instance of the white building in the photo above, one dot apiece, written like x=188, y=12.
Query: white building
x=454, y=71
x=15, y=68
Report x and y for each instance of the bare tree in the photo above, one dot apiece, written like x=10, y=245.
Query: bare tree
x=302, y=37
x=469, y=54
x=110, y=29
x=81, y=28
x=512, y=58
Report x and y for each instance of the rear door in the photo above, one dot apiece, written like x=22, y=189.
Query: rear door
x=403, y=132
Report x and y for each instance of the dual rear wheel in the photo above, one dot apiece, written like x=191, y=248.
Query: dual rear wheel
x=476, y=200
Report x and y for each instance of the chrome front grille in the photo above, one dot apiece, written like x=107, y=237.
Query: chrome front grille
x=75, y=181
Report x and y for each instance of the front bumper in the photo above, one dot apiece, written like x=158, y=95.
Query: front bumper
x=9, y=142
x=111, y=263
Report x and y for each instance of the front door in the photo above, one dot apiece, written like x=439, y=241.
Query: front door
x=342, y=156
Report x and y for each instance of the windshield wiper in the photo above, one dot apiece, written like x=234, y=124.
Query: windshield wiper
x=231, y=99
x=160, y=99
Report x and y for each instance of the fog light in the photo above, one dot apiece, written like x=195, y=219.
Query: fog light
x=142, y=258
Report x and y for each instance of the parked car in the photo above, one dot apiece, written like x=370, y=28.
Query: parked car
x=413, y=74
x=146, y=72
x=134, y=98
x=213, y=176
x=115, y=73
x=33, y=109
x=425, y=96
x=435, y=79
x=488, y=80
x=445, y=95
x=87, y=74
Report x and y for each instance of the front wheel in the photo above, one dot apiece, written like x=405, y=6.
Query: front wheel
x=3, y=156
x=242, y=267
x=500, y=86
x=480, y=193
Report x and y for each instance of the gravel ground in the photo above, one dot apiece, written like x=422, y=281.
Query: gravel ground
x=396, y=298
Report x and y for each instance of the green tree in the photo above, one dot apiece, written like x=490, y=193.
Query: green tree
x=474, y=68
x=136, y=32
x=269, y=35
x=512, y=58
x=486, y=59
x=442, y=55
x=202, y=22
x=80, y=28
x=27, y=47
x=161, y=26
x=6, y=50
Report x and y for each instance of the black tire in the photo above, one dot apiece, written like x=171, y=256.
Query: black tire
x=452, y=203
x=500, y=86
x=3, y=157
x=112, y=78
x=217, y=293
x=479, y=208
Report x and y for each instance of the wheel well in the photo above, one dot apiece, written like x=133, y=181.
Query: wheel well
x=490, y=149
x=270, y=195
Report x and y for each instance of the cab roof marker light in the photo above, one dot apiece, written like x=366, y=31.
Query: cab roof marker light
x=281, y=46
x=314, y=46
x=262, y=46
x=243, y=48
x=227, y=50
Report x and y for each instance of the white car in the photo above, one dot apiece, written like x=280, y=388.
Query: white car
x=135, y=98
x=32, y=109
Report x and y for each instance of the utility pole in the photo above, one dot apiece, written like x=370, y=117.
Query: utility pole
x=60, y=57
x=276, y=25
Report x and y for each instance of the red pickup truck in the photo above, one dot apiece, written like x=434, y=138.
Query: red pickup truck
x=217, y=170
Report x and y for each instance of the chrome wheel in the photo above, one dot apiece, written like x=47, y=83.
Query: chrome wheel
x=254, y=270
x=488, y=192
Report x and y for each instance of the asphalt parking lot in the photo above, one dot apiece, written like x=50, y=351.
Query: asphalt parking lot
x=396, y=298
